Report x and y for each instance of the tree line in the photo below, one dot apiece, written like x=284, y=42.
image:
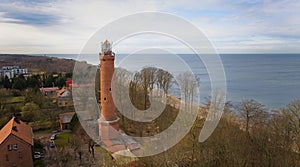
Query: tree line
x=248, y=134
x=34, y=81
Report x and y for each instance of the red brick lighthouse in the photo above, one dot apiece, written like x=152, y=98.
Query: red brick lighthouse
x=108, y=121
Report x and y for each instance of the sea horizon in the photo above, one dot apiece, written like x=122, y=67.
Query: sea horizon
x=271, y=79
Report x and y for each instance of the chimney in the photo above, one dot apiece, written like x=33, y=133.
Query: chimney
x=17, y=117
x=17, y=120
x=14, y=128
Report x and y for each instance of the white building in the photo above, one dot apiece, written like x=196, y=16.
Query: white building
x=12, y=71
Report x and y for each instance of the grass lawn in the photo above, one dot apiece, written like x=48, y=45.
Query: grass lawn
x=41, y=123
x=18, y=99
x=39, y=163
x=63, y=139
x=16, y=102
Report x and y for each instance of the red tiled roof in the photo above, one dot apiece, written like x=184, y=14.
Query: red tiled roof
x=18, y=129
x=49, y=89
x=81, y=85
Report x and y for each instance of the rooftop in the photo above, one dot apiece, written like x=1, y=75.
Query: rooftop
x=17, y=128
x=49, y=89
x=66, y=117
x=63, y=92
x=106, y=42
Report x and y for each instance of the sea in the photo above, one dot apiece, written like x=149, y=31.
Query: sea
x=271, y=79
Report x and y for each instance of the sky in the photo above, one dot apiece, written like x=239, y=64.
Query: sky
x=232, y=26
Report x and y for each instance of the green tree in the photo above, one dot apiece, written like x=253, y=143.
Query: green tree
x=1, y=81
x=30, y=112
x=60, y=81
x=32, y=81
x=49, y=80
x=6, y=83
x=35, y=96
x=68, y=75
x=19, y=83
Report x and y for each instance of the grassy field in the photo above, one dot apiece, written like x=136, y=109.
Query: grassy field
x=18, y=99
x=63, y=139
x=39, y=163
x=14, y=102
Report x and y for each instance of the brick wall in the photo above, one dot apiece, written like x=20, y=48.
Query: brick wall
x=19, y=157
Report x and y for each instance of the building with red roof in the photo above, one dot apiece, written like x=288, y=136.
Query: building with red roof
x=16, y=144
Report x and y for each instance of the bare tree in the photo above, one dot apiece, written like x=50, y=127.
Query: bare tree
x=121, y=77
x=252, y=113
x=291, y=114
x=148, y=79
x=164, y=80
x=188, y=83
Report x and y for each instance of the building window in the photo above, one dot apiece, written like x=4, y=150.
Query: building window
x=109, y=89
x=6, y=157
x=15, y=146
x=20, y=155
x=104, y=98
x=9, y=148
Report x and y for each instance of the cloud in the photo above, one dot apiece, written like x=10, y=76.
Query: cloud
x=58, y=26
x=30, y=18
x=27, y=12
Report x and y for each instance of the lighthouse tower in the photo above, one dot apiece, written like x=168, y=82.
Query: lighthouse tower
x=108, y=121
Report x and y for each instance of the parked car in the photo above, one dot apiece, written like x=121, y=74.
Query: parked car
x=38, y=155
x=53, y=137
x=52, y=145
